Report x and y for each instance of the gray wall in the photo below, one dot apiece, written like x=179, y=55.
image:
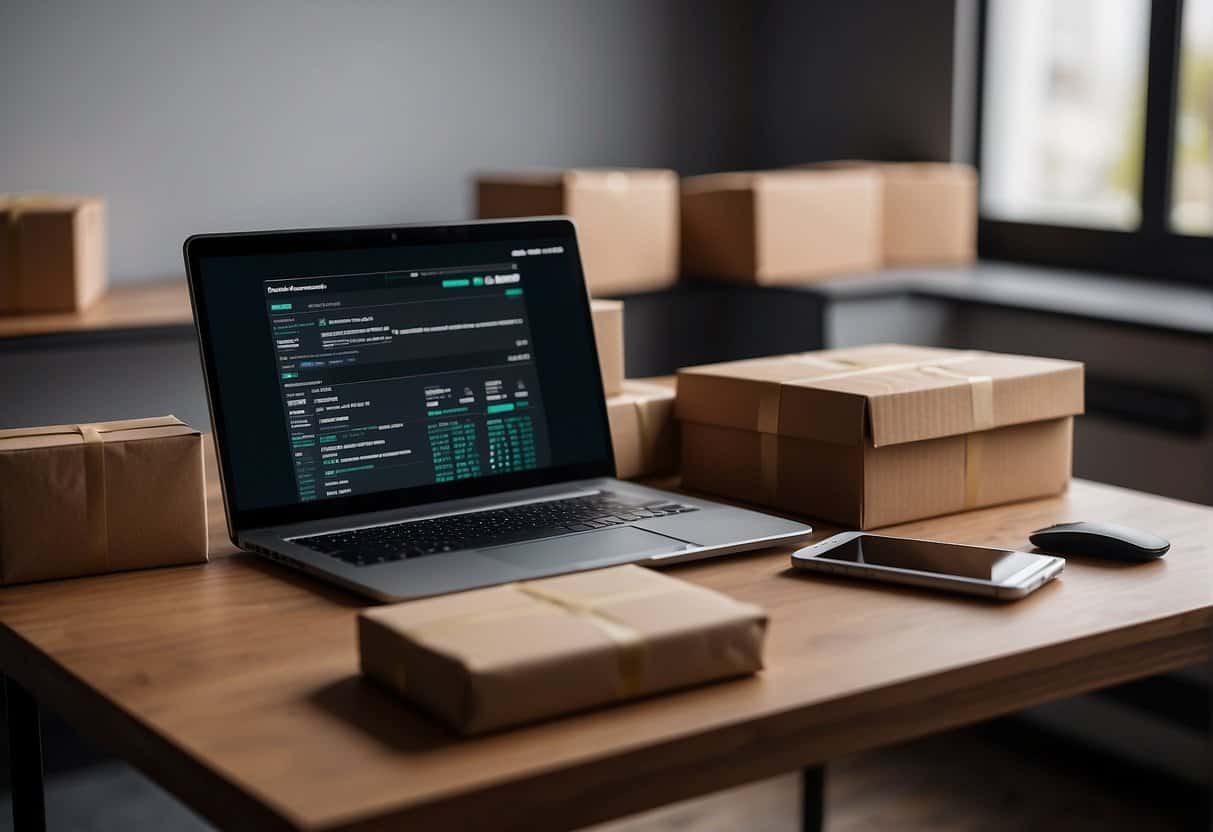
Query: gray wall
x=227, y=115
x=866, y=79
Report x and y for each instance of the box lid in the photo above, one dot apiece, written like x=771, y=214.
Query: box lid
x=610, y=178
x=38, y=203
x=886, y=394
x=127, y=430
x=793, y=179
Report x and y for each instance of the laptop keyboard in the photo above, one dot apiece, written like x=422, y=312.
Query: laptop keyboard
x=416, y=538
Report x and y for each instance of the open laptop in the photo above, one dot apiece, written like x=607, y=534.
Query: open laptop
x=416, y=410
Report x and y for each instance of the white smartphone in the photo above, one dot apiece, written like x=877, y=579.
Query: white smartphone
x=995, y=573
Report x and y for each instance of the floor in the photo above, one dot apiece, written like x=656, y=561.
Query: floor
x=995, y=777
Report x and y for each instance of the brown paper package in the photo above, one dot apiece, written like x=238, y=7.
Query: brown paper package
x=627, y=220
x=779, y=227
x=52, y=252
x=512, y=654
x=644, y=432
x=608, y=337
x=872, y=436
x=929, y=209
x=85, y=499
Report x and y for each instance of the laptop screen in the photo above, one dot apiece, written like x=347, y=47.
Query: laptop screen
x=353, y=375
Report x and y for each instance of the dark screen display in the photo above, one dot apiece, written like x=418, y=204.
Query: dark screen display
x=926, y=556
x=427, y=371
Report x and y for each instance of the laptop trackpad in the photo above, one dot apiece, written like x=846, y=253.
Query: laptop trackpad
x=586, y=550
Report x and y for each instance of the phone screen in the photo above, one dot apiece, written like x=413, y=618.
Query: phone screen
x=995, y=565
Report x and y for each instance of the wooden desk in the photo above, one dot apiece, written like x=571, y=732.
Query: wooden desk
x=235, y=684
x=126, y=307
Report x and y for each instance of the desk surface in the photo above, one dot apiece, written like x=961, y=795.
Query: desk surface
x=143, y=306
x=235, y=684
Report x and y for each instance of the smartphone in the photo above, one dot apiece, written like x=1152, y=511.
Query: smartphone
x=995, y=573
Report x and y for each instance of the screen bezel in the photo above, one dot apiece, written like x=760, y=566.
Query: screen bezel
x=402, y=236
x=819, y=552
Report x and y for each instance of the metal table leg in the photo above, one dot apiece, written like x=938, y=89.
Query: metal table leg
x=25, y=758
x=813, y=801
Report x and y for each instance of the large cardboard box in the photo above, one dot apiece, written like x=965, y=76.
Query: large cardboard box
x=506, y=655
x=608, y=337
x=929, y=209
x=779, y=227
x=52, y=252
x=84, y=499
x=627, y=220
x=644, y=432
x=877, y=435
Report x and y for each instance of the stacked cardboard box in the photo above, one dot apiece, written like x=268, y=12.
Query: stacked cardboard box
x=929, y=210
x=641, y=414
x=643, y=430
x=608, y=337
x=778, y=227
x=627, y=220
x=877, y=435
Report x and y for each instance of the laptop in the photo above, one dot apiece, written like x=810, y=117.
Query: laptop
x=417, y=410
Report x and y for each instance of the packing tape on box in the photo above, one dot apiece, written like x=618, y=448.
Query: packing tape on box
x=981, y=393
x=981, y=388
x=96, y=513
x=981, y=402
x=629, y=642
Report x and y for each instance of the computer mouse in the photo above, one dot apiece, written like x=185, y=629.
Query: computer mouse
x=1101, y=540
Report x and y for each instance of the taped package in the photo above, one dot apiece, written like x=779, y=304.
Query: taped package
x=876, y=435
x=490, y=658
x=92, y=498
x=644, y=433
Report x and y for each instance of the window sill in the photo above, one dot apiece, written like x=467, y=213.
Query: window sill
x=1116, y=299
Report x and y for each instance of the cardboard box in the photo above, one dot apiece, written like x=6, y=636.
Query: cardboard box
x=506, y=655
x=929, y=208
x=85, y=499
x=627, y=220
x=877, y=435
x=644, y=432
x=608, y=336
x=930, y=213
x=779, y=227
x=52, y=252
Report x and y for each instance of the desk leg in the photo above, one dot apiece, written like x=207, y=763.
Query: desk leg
x=813, y=799
x=25, y=758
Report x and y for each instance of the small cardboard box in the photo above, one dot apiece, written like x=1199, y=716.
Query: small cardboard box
x=779, y=227
x=883, y=434
x=52, y=252
x=507, y=655
x=929, y=208
x=84, y=499
x=627, y=220
x=643, y=430
x=608, y=336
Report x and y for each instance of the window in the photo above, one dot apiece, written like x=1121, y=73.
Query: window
x=1095, y=134
x=1065, y=91
x=1192, y=206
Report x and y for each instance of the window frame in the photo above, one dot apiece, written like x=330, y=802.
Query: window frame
x=1153, y=249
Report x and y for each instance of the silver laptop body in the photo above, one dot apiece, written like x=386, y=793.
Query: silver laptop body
x=416, y=410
